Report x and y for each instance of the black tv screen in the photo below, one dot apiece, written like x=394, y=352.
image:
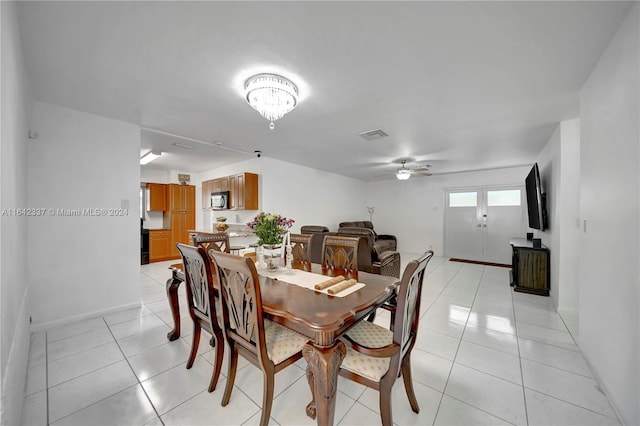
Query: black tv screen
x=535, y=200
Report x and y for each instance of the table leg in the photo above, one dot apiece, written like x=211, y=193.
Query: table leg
x=172, y=294
x=323, y=365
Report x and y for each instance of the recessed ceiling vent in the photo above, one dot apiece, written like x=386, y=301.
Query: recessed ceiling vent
x=373, y=135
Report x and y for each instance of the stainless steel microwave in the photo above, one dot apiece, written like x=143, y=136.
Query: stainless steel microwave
x=220, y=200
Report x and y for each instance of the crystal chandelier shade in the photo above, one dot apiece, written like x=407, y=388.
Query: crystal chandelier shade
x=271, y=95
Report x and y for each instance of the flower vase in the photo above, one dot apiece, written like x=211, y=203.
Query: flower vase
x=271, y=256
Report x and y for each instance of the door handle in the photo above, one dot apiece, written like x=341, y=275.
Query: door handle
x=479, y=225
x=484, y=226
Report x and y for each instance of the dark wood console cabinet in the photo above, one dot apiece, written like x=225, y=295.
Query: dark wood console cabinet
x=530, y=267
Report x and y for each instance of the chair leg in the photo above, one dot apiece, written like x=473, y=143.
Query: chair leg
x=385, y=404
x=267, y=395
x=218, y=365
x=194, y=344
x=408, y=383
x=372, y=316
x=231, y=374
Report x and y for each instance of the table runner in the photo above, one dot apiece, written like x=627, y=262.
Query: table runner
x=306, y=279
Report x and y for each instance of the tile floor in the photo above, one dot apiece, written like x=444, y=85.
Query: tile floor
x=484, y=355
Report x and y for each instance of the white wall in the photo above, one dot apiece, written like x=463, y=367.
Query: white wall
x=550, y=177
x=610, y=249
x=309, y=196
x=559, y=164
x=87, y=264
x=14, y=290
x=413, y=210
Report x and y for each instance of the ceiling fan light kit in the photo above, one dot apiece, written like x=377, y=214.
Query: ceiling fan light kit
x=272, y=95
x=403, y=174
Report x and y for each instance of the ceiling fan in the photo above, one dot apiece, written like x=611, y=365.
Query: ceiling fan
x=404, y=173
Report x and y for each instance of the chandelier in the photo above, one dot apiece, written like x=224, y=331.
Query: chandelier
x=271, y=95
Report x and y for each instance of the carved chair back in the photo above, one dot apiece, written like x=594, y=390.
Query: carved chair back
x=241, y=302
x=340, y=252
x=218, y=241
x=301, y=247
x=201, y=296
x=407, y=312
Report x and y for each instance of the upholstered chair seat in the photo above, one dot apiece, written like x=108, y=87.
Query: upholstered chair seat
x=369, y=335
x=282, y=343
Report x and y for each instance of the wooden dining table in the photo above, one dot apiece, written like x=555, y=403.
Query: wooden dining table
x=321, y=317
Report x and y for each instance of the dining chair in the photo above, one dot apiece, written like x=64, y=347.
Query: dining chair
x=218, y=241
x=377, y=356
x=266, y=344
x=201, y=301
x=301, y=247
x=340, y=252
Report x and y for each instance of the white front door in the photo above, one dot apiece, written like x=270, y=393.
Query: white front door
x=479, y=222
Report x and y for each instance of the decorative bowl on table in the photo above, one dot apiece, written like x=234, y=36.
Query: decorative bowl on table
x=221, y=219
x=222, y=227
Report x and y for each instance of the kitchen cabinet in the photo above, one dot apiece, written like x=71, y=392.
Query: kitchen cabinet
x=181, y=216
x=244, y=195
x=242, y=187
x=160, y=245
x=207, y=189
x=157, y=197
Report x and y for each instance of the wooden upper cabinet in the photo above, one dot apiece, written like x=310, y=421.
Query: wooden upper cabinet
x=206, y=194
x=248, y=189
x=243, y=191
x=157, y=197
x=182, y=197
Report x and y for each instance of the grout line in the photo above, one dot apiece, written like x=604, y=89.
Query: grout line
x=46, y=373
x=524, y=395
x=133, y=372
x=453, y=361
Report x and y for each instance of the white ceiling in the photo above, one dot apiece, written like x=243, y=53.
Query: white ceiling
x=458, y=85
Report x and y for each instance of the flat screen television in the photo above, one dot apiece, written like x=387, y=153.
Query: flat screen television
x=536, y=200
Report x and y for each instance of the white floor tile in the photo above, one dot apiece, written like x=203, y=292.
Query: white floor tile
x=495, y=396
x=442, y=325
x=135, y=326
x=492, y=322
x=148, y=339
x=289, y=408
x=34, y=410
x=456, y=413
x=127, y=315
x=544, y=410
x=454, y=312
x=78, y=343
x=129, y=406
x=570, y=387
x=554, y=356
x=249, y=380
x=430, y=370
x=159, y=359
x=437, y=343
x=177, y=385
x=428, y=401
x=84, y=362
x=490, y=361
x=36, y=379
x=73, y=395
x=546, y=319
x=493, y=339
x=70, y=330
x=546, y=335
x=205, y=409
x=359, y=415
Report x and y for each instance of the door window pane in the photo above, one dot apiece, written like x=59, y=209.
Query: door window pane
x=463, y=199
x=510, y=197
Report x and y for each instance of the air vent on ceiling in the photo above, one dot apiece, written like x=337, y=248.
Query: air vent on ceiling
x=373, y=135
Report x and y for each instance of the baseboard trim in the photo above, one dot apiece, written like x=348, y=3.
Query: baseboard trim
x=47, y=325
x=478, y=262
